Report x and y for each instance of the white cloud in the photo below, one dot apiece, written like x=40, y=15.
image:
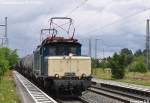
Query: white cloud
x=26, y=20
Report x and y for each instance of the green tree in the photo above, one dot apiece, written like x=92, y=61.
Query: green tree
x=7, y=58
x=95, y=63
x=138, y=53
x=138, y=65
x=144, y=52
x=117, y=66
x=128, y=56
x=104, y=63
x=126, y=51
x=13, y=57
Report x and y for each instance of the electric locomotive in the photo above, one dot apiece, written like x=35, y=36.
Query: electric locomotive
x=57, y=64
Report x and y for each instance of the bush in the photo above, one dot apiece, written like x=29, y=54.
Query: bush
x=117, y=66
x=7, y=58
x=117, y=72
x=137, y=66
x=4, y=64
x=95, y=63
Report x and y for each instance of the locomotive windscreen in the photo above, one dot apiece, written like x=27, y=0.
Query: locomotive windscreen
x=61, y=49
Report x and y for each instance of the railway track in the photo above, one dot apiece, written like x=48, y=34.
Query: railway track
x=70, y=101
x=75, y=100
x=36, y=94
x=118, y=94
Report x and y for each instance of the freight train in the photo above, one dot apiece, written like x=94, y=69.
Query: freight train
x=57, y=65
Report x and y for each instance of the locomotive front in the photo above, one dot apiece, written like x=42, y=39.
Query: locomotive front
x=63, y=67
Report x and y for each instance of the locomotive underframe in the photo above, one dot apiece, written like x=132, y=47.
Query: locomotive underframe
x=66, y=86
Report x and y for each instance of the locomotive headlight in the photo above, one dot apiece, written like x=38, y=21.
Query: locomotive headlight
x=70, y=54
x=57, y=75
x=83, y=75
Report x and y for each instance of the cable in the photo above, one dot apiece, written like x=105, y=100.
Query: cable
x=114, y=22
x=110, y=2
x=77, y=7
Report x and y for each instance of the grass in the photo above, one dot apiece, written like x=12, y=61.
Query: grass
x=8, y=89
x=130, y=77
x=137, y=78
x=100, y=73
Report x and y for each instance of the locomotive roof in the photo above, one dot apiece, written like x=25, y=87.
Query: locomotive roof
x=57, y=40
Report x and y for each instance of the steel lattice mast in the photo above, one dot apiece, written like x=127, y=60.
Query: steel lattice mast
x=147, y=56
x=4, y=38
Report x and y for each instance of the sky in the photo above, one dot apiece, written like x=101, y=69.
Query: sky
x=116, y=24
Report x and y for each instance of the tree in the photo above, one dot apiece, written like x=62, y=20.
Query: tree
x=95, y=63
x=13, y=57
x=128, y=56
x=117, y=65
x=138, y=53
x=7, y=58
x=144, y=52
x=126, y=51
x=138, y=65
x=103, y=63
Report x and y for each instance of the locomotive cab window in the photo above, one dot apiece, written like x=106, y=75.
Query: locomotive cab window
x=52, y=51
x=72, y=50
x=62, y=49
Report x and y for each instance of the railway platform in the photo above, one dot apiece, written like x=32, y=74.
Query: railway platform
x=28, y=92
x=130, y=90
x=124, y=85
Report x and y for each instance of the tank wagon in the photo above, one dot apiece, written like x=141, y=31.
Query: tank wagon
x=58, y=66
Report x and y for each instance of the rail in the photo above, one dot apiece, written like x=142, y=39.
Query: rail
x=121, y=92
